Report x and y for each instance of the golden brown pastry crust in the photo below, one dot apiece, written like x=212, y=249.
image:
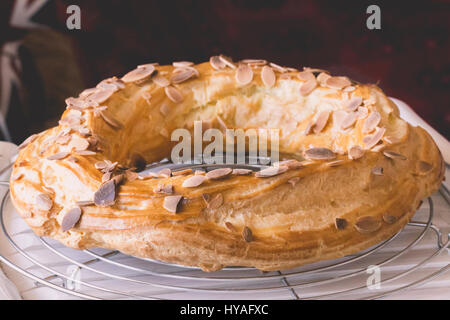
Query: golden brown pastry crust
x=292, y=216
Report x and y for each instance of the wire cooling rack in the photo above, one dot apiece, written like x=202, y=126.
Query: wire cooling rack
x=411, y=258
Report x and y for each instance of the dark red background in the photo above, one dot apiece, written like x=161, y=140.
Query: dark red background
x=409, y=56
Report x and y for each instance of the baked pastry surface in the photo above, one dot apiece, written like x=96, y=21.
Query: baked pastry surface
x=353, y=175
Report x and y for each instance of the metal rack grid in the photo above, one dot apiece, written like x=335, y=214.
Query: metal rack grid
x=105, y=274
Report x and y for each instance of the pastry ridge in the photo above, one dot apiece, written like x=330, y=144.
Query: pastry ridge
x=122, y=123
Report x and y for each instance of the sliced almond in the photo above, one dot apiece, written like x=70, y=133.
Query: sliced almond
x=217, y=63
x=277, y=67
x=219, y=173
x=349, y=89
x=58, y=156
x=255, y=62
x=308, y=128
x=241, y=172
x=182, y=64
x=367, y=224
x=337, y=82
x=271, y=172
x=182, y=76
x=371, y=122
x=268, y=76
x=320, y=154
x=335, y=163
x=113, y=123
x=394, y=155
x=70, y=218
x=106, y=176
x=322, y=78
x=139, y=73
x=371, y=140
x=389, y=219
x=293, y=181
x=308, y=87
x=131, y=175
x=161, y=81
x=230, y=226
x=171, y=203
x=215, y=202
x=105, y=196
x=101, y=95
x=165, y=173
x=85, y=203
x=306, y=76
x=182, y=172
x=340, y=223
x=290, y=163
x=27, y=141
x=78, y=143
x=353, y=103
x=174, y=94
x=247, y=234
x=321, y=121
x=423, y=168
x=43, y=202
x=355, y=152
x=227, y=62
x=362, y=112
x=244, y=74
x=193, y=181
x=348, y=121
x=164, y=188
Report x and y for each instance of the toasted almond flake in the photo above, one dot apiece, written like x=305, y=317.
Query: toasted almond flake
x=113, y=123
x=293, y=181
x=105, y=196
x=106, y=176
x=314, y=70
x=371, y=122
x=256, y=62
x=70, y=218
x=247, y=234
x=394, y=155
x=285, y=76
x=206, y=198
x=182, y=64
x=320, y=154
x=100, y=165
x=338, y=118
x=337, y=82
x=306, y=76
x=230, y=226
x=389, y=219
x=27, y=141
x=215, y=202
x=182, y=172
x=290, y=163
x=340, y=223
x=217, y=63
x=423, y=168
x=244, y=74
x=335, y=163
x=164, y=188
x=139, y=73
x=43, y=202
x=148, y=65
x=161, y=81
x=226, y=61
x=241, y=172
x=349, y=89
x=131, y=175
x=322, y=78
x=355, y=152
x=268, y=76
x=64, y=139
x=391, y=140
x=353, y=104
x=182, y=75
x=219, y=173
x=78, y=143
x=193, y=181
x=174, y=94
x=58, y=156
x=85, y=93
x=85, y=203
x=85, y=152
x=165, y=173
x=378, y=148
x=371, y=140
x=367, y=224
x=348, y=121
x=271, y=172
x=78, y=103
x=308, y=128
x=100, y=96
x=277, y=67
x=362, y=112
x=308, y=87
x=72, y=159
x=321, y=121
x=171, y=203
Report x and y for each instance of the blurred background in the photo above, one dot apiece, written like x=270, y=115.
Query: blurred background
x=42, y=62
